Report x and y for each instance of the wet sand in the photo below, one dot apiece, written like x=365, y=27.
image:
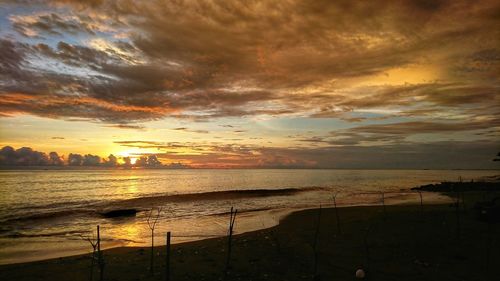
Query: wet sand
x=402, y=243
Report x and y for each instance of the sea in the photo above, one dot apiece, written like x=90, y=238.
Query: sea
x=54, y=213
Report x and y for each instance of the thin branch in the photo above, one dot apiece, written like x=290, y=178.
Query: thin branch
x=152, y=221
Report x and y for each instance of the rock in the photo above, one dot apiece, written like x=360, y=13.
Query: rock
x=360, y=273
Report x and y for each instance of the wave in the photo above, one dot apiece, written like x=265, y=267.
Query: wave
x=48, y=215
x=97, y=209
x=52, y=234
x=220, y=195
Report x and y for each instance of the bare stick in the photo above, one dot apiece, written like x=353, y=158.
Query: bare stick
x=461, y=193
x=93, y=243
x=464, y=208
x=315, y=245
x=167, y=273
x=421, y=203
x=383, y=203
x=232, y=219
x=100, y=260
x=152, y=225
x=457, y=212
x=336, y=213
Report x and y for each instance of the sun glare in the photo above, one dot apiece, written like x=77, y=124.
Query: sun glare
x=128, y=153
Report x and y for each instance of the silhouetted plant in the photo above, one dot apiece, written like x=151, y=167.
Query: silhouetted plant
x=152, y=221
x=336, y=213
x=100, y=258
x=93, y=243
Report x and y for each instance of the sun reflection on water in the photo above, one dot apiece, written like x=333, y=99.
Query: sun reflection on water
x=132, y=234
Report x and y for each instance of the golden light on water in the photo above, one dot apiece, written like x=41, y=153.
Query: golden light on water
x=132, y=233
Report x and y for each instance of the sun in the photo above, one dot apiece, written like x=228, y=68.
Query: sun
x=128, y=153
x=133, y=160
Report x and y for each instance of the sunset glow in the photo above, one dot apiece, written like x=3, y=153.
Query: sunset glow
x=323, y=85
x=249, y=140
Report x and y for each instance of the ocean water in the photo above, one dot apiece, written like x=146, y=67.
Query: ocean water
x=45, y=214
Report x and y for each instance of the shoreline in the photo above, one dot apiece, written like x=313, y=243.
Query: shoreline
x=285, y=251
x=247, y=221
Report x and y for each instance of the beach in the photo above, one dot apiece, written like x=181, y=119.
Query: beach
x=49, y=214
x=404, y=242
x=249, y=140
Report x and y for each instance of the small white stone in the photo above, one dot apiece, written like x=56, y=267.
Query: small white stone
x=360, y=273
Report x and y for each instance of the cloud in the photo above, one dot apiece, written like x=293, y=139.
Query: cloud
x=437, y=155
x=127, y=126
x=402, y=155
x=204, y=59
x=52, y=24
x=190, y=130
x=55, y=159
x=24, y=156
x=398, y=133
x=138, y=142
x=419, y=127
x=58, y=106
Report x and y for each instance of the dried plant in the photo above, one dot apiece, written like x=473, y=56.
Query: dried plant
x=152, y=221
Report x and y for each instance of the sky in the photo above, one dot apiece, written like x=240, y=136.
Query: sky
x=255, y=84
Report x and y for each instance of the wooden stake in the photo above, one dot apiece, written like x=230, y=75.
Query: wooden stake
x=421, y=203
x=232, y=218
x=99, y=255
x=336, y=213
x=383, y=203
x=167, y=272
x=92, y=265
x=457, y=212
x=464, y=208
x=315, y=245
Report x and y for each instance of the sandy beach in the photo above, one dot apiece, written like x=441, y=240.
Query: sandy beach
x=400, y=243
